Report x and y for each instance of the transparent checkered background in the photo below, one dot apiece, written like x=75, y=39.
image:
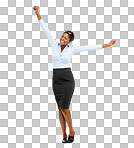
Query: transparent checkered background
x=102, y=105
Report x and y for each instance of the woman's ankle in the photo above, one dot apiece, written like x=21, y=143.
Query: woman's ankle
x=71, y=132
x=65, y=135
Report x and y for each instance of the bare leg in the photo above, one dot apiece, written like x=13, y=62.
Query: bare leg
x=67, y=115
x=63, y=123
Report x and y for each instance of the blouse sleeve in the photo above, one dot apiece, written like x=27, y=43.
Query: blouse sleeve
x=47, y=33
x=77, y=49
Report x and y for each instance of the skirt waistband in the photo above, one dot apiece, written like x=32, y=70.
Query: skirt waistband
x=61, y=68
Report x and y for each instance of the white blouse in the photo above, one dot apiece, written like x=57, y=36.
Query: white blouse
x=62, y=59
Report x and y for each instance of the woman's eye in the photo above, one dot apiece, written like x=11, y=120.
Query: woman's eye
x=65, y=37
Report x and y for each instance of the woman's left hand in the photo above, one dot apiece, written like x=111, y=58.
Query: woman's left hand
x=112, y=42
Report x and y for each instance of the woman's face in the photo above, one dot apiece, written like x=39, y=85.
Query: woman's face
x=64, y=39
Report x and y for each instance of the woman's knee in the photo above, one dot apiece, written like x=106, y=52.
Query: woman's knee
x=64, y=111
x=60, y=112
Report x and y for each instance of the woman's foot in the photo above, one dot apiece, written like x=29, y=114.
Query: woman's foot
x=71, y=138
x=64, y=140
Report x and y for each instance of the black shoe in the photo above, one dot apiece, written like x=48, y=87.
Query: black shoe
x=71, y=138
x=64, y=140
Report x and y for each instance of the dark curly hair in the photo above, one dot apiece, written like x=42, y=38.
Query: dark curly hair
x=71, y=34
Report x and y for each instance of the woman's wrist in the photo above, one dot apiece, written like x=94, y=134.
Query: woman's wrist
x=38, y=15
x=106, y=45
x=36, y=12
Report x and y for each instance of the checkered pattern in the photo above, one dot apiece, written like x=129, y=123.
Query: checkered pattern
x=103, y=101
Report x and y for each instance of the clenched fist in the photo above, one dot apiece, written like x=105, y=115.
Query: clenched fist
x=35, y=8
x=36, y=12
x=112, y=42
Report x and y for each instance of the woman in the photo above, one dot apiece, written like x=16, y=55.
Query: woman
x=63, y=80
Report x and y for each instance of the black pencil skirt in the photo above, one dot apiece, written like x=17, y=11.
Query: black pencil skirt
x=63, y=87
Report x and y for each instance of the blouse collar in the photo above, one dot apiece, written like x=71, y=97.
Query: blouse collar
x=67, y=44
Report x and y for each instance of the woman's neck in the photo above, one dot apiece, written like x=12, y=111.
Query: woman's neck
x=63, y=46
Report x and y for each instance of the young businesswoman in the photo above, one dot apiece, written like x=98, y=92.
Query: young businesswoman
x=63, y=81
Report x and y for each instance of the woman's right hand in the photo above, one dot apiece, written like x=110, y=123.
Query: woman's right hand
x=112, y=42
x=36, y=8
x=36, y=11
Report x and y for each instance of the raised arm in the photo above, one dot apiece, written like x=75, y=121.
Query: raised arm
x=77, y=49
x=46, y=31
x=36, y=12
x=110, y=44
